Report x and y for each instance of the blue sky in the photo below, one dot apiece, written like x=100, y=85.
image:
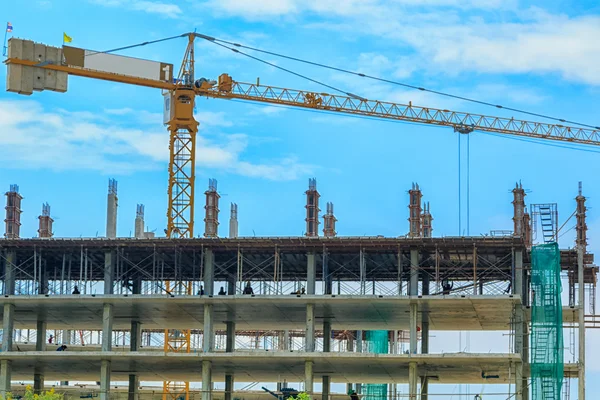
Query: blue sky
x=542, y=56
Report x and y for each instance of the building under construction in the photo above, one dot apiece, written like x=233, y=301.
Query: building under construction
x=206, y=315
x=177, y=311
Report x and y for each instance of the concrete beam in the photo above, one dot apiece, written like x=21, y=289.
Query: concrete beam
x=105, y=380
x=311, y=272
x=310, y=328
x=209, y=272
x=8, y=321
x=107, y=327
x=206, y=380
x=208, y=336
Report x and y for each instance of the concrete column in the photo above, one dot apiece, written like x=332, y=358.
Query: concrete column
x=38, y=382
x=311, y=272
x=137, y=285
x=8, y=321
x=413, y=328
x=326, y=336
x=308, y=378
x=326, y=387
x=133, y=392
x=517, y=287
x=286, y=340
x=134, y=345
x=40, y=339
x=228, y=387
x=310, y=328
x=230, y=339
x=327, y=281
x=581, y=330
x=206, y=380
x=231, y=286
x=9, y=272
x=519, y=381
x=209, y=272
x=326, y=349
x=413, y=287
x=110, y=261
x=5, y=377
x=111, y=216
x=412, y=380
x=105, y=380
x=208, y=336
x=66, y=339
x=107, y=325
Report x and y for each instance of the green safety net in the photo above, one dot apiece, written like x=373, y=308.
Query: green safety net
x=546, y=323
x=377, y=342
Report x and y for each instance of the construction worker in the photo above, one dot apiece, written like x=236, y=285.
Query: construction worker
x=353, y=395
x=62, y=348
x=50, y=339
x=201, y=291
x=76, y=290
x=248, y=288
x=222, y=292
x=446, y=287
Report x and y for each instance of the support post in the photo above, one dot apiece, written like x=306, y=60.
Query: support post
x=110, y=262
x=134, y=345
x=8, y=321
x=107, y=327
x=412, y=380
x=229, y=387
x=414, y=272
x=38, y=382
x=519, y=381
x=308, y=378
x=327, y=281
x=474, y=270
x=413, y=328
x=5, y=377
x=208, y=337
x=311, y=272
x=399, y=272
x=581, y=314
x=206, y=380
x=105, y=380
x=310, y=328
x=40, y=338
x=209, y=273
x=326, y=349
x=9, y=272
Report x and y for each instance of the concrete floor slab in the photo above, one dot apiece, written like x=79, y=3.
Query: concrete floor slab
x=265, y=367
x=264, y=312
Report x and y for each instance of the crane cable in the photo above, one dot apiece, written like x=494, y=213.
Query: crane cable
x=290, y=71
x=321, y=65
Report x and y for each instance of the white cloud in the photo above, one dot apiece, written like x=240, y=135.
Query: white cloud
x=152, y=7
x=32, y=137
x=443, y=36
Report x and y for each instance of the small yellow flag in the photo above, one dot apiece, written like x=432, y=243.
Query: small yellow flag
x=67, y=38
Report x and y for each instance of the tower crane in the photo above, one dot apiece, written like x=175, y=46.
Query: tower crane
x=34, y=66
